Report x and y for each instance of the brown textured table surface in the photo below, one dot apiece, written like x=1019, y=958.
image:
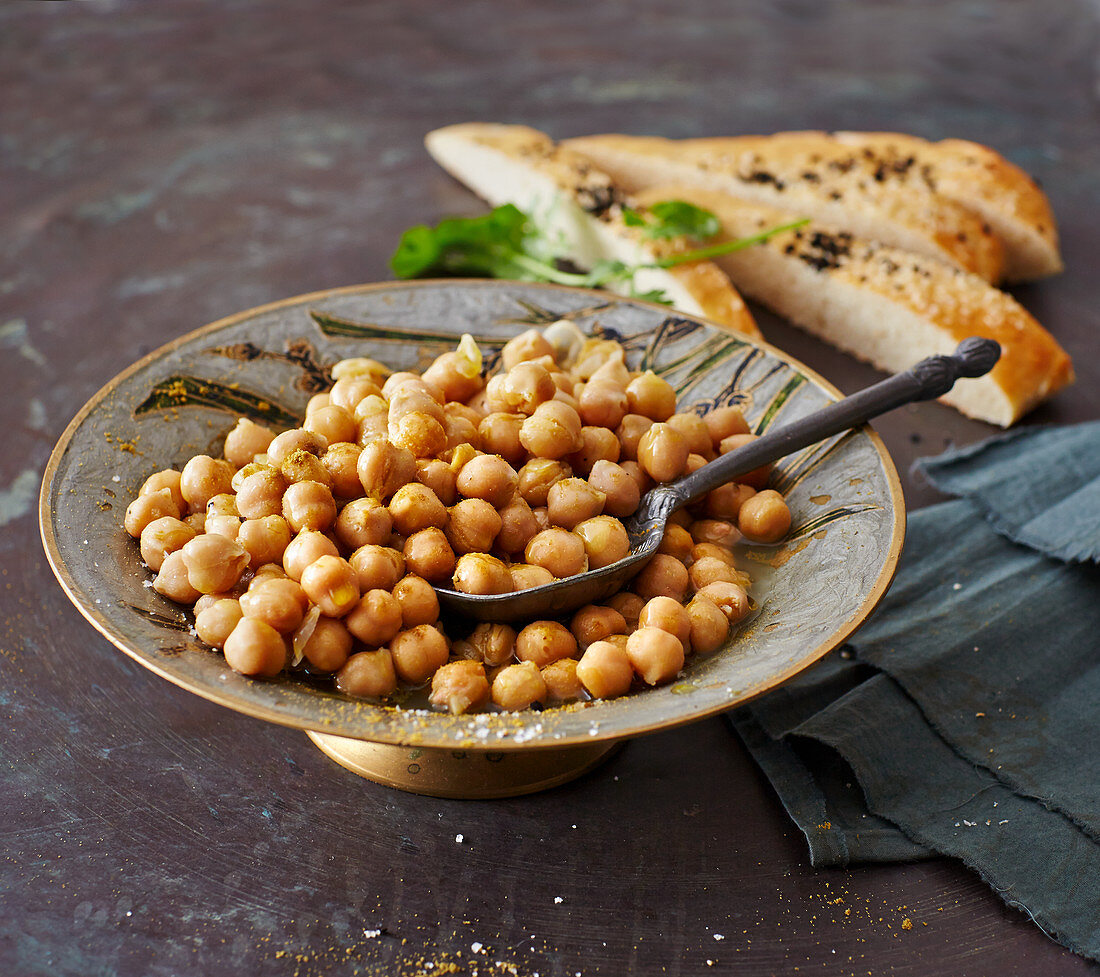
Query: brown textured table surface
x=163, y=164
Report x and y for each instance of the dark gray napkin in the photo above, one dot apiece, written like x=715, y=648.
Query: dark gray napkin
x=963, y=719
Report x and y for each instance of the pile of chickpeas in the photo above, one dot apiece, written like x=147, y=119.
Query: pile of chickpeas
x=316, y=549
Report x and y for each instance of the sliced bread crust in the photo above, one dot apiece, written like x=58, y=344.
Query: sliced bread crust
x=887, y=306
x=579, y=205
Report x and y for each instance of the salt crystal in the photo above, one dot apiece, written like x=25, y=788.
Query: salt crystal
x=558, y=899
x=719, y=936
x=475, y=947
x=371, y=934
x=956, y=586
x=458, y=839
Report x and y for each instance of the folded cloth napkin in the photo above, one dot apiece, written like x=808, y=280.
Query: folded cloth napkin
x=964, y=718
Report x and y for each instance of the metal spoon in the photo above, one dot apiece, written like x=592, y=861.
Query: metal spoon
x=930, y=378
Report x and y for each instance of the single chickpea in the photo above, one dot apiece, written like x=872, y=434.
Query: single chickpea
x=418, y=653
x=629, y=432
x=542, y=517
x=709, y=569
x=474, y=525
x=656, y=655
x=765, y=518
x=559, y=551
x=526, y=577
x=662, y=452
x=255, y=648
x=361, y=366
x=415, y=397
x=605, y=670
x=693, y=464
x=552, y=431
x=709, y=625
x=702, y=550
x=499, y=435
x=373, y=424
x=651, y=397
x=723, y=422
x=203, y=477
x=665, y=576
x=167, y=479
x=597, y=444
x=147, y=508
x=214, y=563
x=332, y=584
x=529, y=345
x=595, y=623
x=543, y=642
x=517, y=687
x=518, y=526
x=573, y=500
x=328, y=646
x=429, y=555
x=536, y=478
x=488, y=477
x=278, y=603
x=171, y=580
x=605, y=541
x=297, y=439
x=493, y=644
x=730, y=598
x=460, y=686
x=562, y=683
x=214, y=624
x=368, y=675
x=602, y=404
x=362, y=522
x=480, y=573
x=301, y=466
x=621, y=495
x=677, y=542
x=341, y=462
x=375, y=618
x=384, y=468
x=415, y=507
x=333, y=423
x=268, y=571
x=440, y=477
x=309, y=505
x=348, y=392
x=419, y=434
x=758, y=477
x=261, y=494
x=725, y=501
x=695, y=432
x=403, y=378
x=378, y=567
x=460, y=430
x=629, y=605
x=668, y=615
x=306, y=547
x=527, y=385
x=419, y=604
x=717, y=531
x=161, y=537
x=457, y=373
x=317, y=401
x=641, y=478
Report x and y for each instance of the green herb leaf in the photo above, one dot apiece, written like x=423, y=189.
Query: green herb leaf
x=678, y=218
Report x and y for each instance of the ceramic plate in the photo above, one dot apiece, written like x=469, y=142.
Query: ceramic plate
x=814, y=590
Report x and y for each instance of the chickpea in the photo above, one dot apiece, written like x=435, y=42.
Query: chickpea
x=457, y=373
x=665, y=576
x=297, y=439
x=518, y=526
x=301, y=466
x=758, y=477
x=709, y=569
x=573, y=500
x=171, y=580
x=493, y=644
x=147, y=508
x=605, y=670
x=594, y=623
x=415, y=398
x=161, y=537
x=474, y=525
x=333, y=423
x=197, y=521
x=629, y=605
x=543, y=642
x=418, y=433
x=268, y=571
x=214, y=563
x=702, y=550
x=602, y=404
x=716, y=531
x=214, y=623
x=526, y=577
x=167, y=479
x=559, y=551
x=730, y=598
x=499, y=435
x=402, y=379
x=516, y=687
x=255, y=648
x=375, y=618
x=362, y=522
x=562, y=683
x=348, y=392
x=373, y=424
x=440, y=477
x=488, y=477
x=361, y=366
x=693, y=464
x=461, y=430
x=480, y=573
x=552, y=431
x=629, y=432
x=709, y=624
x=677, y=542
x=429, y=555
x=202, y=478
x=328, y=647
x=668, y=615
x=384, y=468
x=722, y=422
x=260, y=493
x=459, y=687
x=304, y=549
x=341, y=463
x=621, y=495
x=368, y=675
x=656, y=655
x=725, y=501
x=651, y=397
x=317, y=401
x=332, y=584
x=662, y=452
x=418, y=653
x=529, y=345
x=542, y=517
x=597, y=444
x=278, y=603
x=605, y=541
x=415, y=507
x=636, y=472
x=378, y=567
x=536, y=478
x=765, y=518
x=309, y=505
x=695, y=432
x=419, y=604
x=525, y=386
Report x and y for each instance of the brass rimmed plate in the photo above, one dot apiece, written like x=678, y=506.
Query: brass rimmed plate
x=815, y=589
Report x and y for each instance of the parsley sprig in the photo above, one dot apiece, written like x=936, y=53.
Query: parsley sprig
x=506, y=243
